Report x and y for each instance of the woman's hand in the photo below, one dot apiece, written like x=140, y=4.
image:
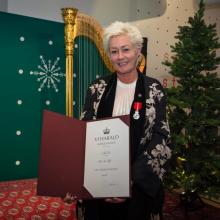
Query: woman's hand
x=69, y=198
x=115, y=200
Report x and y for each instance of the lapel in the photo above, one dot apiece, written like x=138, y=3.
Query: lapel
x=137, y=125
x=107, y=102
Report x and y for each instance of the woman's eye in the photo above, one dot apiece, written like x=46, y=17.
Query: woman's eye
x=113, y=51
x=126, y=49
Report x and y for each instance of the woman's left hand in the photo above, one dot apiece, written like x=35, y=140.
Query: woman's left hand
x=115, y=200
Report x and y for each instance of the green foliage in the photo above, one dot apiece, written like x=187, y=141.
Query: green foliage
x=194, y=107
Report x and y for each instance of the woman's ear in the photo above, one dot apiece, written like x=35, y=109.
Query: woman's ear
x=139, y=51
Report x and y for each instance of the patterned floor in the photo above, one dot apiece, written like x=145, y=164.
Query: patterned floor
x=18, y=201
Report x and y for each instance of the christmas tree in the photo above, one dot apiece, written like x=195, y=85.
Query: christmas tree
x=194, y=108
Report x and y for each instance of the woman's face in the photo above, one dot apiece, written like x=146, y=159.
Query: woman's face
x=123, y=54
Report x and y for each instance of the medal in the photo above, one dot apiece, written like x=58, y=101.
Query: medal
x=137, y=107
x=136, y=115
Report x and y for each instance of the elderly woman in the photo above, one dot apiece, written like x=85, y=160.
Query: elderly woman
x=128, y=91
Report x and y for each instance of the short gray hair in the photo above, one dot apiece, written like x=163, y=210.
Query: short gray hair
x=118, y=28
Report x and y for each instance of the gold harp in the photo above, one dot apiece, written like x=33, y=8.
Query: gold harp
x=84, y=32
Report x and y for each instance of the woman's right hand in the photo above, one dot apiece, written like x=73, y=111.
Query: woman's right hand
x=69, y=198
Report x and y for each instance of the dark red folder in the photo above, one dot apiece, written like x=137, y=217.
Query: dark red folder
x=61, y=165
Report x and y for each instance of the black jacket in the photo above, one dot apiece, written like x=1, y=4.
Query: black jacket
x=149, y=135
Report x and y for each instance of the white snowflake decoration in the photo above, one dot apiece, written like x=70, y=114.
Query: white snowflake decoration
x=49, y=74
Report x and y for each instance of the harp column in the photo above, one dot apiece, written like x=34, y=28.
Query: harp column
x=69, y=17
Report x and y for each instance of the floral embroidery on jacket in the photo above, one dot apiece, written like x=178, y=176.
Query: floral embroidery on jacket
x=96, y=89
x=161, y=152
x=154, y=93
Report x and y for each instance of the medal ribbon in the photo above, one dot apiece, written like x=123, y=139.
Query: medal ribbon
x=137, y=106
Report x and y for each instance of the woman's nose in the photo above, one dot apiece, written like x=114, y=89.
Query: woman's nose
x=120, y=54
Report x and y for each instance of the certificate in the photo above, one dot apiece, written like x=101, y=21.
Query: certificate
x=107, y=160
x=87, y=159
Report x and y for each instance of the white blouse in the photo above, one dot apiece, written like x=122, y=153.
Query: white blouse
x=123, y=98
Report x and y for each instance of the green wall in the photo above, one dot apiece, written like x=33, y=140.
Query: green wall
x=22, y=41
x=32, y=78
